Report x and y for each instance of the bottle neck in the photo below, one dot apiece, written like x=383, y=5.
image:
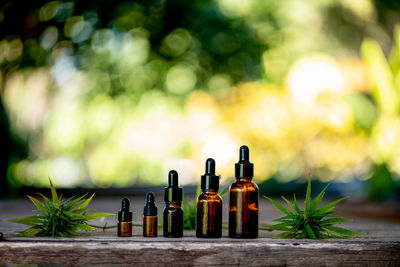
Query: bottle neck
x=244, y=179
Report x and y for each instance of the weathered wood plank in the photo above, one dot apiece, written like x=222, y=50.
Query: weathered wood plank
x=380, y=247
x=260, y=252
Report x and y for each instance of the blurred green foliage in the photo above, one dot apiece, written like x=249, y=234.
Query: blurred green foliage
x=113, y=93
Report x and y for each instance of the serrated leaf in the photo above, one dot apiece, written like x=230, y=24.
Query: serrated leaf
x=81, y=211
x=342, y=231
x=72, y=214
x=279, y=206
x=96, y=215
x=30, y=220
x=86, y=202
x=85, y=227
x=289, y=203
x=30, y=232
x=53, y=192
x=295, y=204
x=317, y=200
x=329, y=207
x=310, y=231
x=287, y=217
x=47, y=201
x=331, y=235
x=39, y=205
x=308, y=195
x=75, y=202
x=334, y=221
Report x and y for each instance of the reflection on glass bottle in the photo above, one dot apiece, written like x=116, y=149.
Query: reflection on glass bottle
x=173, y=213
x=243, y=199
x=209, y=204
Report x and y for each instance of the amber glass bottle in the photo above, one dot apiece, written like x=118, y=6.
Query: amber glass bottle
x=124, y=226
x=209, y=205
x=173, y=213
x=243, y=199
x=150, y=224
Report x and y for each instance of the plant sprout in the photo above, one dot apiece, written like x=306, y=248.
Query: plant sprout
x=312, y=222
x=59, y=217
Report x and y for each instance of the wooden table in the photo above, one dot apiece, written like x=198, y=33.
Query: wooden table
x=380, y=247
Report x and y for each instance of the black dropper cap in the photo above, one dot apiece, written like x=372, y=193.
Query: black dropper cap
x=244, y=168
x=210, y=180
x=173, y=193
x=125, y=215
x=150, y=208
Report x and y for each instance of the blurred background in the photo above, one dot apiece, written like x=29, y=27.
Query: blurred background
x=113, y=94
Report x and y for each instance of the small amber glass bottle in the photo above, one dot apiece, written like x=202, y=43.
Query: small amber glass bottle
x=173, y=213
x=243, y=199
x=124, y=226
x=209, y=205
x=150, y=225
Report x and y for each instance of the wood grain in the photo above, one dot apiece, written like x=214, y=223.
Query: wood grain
x=379, y=247
x=191, y=252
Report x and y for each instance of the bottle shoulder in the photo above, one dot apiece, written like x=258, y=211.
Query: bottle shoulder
x=244, y=185
x=209, y=197
x=172, y=206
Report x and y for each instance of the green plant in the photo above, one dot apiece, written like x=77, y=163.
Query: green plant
x=58, y=217
x=310, y=223
x=189, y=211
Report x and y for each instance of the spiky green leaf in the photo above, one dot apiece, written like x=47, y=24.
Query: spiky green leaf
x=317, y=200
x=30, y=220
x=308, y=195
x=330, y=206
x=342, y=231
x=53, y=192
x=310, y=232
x=280, y=206
x=39, y=205
x=295, y=204
x=96, y=215
x=334, y=221
x=86, y=202
x=289, y=203
x=310, y=222
x=30, y=232
x=60, y=218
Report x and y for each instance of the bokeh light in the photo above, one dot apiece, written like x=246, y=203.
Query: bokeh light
x=116, y=94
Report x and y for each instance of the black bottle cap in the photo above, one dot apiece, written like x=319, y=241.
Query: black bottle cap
x=210, y=180
x=150, y=208
x=125, y=215
x=173, y=193
x=244, y=168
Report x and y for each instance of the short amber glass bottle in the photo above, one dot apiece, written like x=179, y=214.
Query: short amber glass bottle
x=243, y=199
x=173, y=213
x=209, y=205
x=124, y=226
x=150, y=220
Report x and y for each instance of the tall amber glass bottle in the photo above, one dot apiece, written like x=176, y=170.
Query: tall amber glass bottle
x=173, y=213
x=209, y=204
x=243, y=199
